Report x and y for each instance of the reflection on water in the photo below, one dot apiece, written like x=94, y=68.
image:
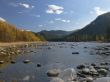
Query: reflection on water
x=51, y=55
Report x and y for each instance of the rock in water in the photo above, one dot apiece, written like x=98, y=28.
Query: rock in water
x=86, y=70
x=13, y=62
x=103, y=79
x=89, y=79
x=38, y=65
x=102, y=71
x=1, y=62
x=26, y=61
x=57, y=80
x=93, y=70
x=68, y=74
x=80, y=66
x=53, y=73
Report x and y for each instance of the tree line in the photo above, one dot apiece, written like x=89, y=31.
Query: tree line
x=9, y=33
x=89, y=37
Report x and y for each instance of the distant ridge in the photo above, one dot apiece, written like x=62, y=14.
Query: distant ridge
x=54, y=35
x=99, y=29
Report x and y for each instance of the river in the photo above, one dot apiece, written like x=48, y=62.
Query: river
x=53, y=55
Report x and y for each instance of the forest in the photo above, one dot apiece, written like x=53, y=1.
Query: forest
x=9, y=33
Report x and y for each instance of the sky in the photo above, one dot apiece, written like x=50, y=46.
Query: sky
x=37, y=15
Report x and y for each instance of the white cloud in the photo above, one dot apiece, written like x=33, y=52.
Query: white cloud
x=2, y=19
x=66, y=21
x=58, y=19
x=63, y=20
x=99, y=11
x=51, y=22
x=40, y=25
x=54, y=9
x=26, y=5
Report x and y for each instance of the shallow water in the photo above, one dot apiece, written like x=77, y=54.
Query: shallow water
x=51, y=55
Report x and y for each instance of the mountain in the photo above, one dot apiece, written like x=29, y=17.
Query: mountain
x=9, y=33
x=54, y=35
x=97, y=29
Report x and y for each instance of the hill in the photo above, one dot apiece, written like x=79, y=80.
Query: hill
x=9, y=33
x=99, y=29
x=54, y=35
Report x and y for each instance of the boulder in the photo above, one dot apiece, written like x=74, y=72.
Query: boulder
x=38, y=65
x=1, y=62
x=89, y=79
x=103, y=79
x=80, y=66
x=86, y=70
x=57, y=80
x=75, y=52
x=92, y=69
x=13, y=62
x=102, y=71
x=68, y=75
x=26, y=61
x=53, y=73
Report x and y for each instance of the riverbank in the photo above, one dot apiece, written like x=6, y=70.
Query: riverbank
x=3, y=44
x=16, y=48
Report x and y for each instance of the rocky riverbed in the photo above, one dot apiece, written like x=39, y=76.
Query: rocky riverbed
x=93, y=72
x=15, y=49
x=82, y=73
x=55, y=62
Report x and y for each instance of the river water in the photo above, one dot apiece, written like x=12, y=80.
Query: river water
x=52, y=55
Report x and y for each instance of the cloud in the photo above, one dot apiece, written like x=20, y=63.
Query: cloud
x=26, y=5
x=66, y=21
x=40, y=25
x=58, y=19
x=63, y=20
x=54, y=9
x=2, y=19
x=51, y=22
x=99, y=11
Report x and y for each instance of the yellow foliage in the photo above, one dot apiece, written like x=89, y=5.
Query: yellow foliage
x=9, y=33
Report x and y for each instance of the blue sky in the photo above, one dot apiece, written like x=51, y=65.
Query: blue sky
x=37, y=15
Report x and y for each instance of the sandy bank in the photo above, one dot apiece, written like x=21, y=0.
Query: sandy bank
x=18, y=43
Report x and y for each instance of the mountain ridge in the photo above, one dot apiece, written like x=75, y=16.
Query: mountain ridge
x=97, y=28
x=54, y=35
